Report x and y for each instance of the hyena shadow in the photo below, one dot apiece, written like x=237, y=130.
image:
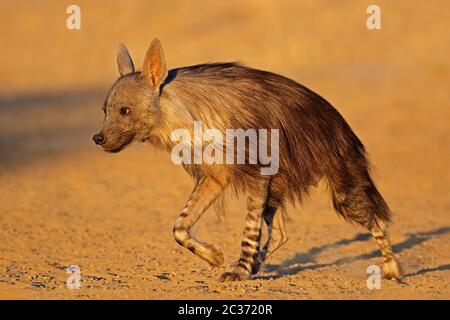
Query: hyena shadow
x=308, y=260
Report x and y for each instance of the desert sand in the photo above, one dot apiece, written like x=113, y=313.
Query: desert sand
x=64, y=202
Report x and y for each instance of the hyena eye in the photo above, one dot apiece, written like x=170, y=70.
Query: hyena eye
x=124, y=110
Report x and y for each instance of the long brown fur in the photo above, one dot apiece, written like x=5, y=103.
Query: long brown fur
x=315, y=142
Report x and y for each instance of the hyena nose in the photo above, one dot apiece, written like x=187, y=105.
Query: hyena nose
x=99, y=139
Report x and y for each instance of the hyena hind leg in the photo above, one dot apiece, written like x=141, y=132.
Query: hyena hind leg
x=391, y=269
x=361, y=203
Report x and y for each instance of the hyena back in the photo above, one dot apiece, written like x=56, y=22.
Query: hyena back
x=315, y=142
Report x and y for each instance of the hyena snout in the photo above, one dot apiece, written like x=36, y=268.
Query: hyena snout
x=99, y=139
x=114, y=138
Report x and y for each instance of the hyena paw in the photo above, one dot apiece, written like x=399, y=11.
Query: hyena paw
x=214, y=257
x=234, y=276
x=391, y=270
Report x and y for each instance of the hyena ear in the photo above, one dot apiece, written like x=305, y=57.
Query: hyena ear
x=154, y=69
x=124, y=62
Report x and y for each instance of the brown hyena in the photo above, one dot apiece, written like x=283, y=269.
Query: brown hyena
x=315, y=142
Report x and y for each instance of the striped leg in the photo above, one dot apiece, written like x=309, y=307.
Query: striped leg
x=272, y=242
x=204, y=194
x=391, y=270
x=256, y=203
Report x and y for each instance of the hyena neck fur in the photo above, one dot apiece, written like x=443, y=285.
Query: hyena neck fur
x=190, y=95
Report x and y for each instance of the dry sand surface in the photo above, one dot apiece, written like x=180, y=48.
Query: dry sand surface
x=64, y=202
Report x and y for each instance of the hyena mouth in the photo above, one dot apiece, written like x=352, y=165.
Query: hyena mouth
x=125, y=139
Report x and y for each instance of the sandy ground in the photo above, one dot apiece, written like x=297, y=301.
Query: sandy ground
x=64, y=202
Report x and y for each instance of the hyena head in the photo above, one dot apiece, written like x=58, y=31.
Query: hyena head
x=132, y=105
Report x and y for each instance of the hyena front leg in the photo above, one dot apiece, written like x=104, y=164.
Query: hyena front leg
x=273, y=242
x=281, y=238
x=204, y=194
x=256, y=202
